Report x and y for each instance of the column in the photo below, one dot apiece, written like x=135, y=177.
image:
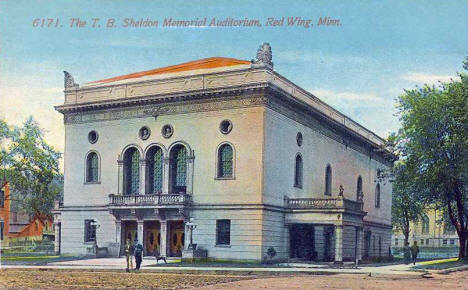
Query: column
x=118, y=231
x=287, y=240
x=165, y=185
x=189, y=183
x=163, y=246
x=120, y=181
x=186, y=236
x=142, y=176
x=359, y=239
x=57, y=238
x=140, y=232
x=339, y=244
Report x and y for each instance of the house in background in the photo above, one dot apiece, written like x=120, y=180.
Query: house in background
x=259, y=164
x=16, y=227
x=435, y=237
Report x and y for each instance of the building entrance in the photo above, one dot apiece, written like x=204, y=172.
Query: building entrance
x=177, y=237
x=302, y=242
x=152, y=238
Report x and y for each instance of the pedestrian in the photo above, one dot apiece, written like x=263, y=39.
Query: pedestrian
x=138, y=255
x=414, y=251
x=128, y=254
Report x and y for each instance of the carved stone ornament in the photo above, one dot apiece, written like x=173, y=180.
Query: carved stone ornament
x=341, y=190
x=264, y=55
x=167, y=131
x=69, y=82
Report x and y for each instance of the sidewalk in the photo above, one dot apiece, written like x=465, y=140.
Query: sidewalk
x=149, y=264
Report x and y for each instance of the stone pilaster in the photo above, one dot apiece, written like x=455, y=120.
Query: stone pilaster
x=338, y=244
x=120, y=177
x=164, y=243
x=142, y=185
x=165, y=185
x=140, y=231
x=359, y=243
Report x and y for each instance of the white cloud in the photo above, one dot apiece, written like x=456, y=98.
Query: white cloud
x=425, y=78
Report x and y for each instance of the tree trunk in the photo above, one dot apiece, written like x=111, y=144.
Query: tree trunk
x=462, y=248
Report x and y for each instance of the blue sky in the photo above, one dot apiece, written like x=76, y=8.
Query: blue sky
x=359, y=67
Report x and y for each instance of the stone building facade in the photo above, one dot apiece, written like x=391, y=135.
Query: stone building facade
x=254, y=160
x=434, y=236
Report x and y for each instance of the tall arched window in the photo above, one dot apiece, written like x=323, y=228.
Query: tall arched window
x=155, y=169
x=359, y=188
x=298, y=172
x=377, y=195
x=425, y=224
x=328, y=180
x=178, y=168
x=132, y=171
x=225, y=161
x=92, y=167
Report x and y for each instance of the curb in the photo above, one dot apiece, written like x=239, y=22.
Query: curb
x=451, y=270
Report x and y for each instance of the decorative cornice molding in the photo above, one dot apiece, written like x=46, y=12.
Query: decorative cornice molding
x=214, y=104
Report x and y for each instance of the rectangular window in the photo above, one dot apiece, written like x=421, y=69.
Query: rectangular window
x=444, y=242
x=90, y=231
x=452, y=242
x=396, y=242
x=223, y=232
x=1, y=230
x=427, y=242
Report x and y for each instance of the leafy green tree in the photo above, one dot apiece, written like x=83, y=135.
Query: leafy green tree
x=31, y=168
x=407, y=207
x=434, y=139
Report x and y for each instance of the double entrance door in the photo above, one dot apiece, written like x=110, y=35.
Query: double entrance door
x=152, y=236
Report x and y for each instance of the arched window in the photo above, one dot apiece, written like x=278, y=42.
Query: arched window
x=377, y=195
x=425, y=224
x=359, y=188
x=328, y=180
x=298, y=172
x=92, y=167
x=178, y=168
x=132, y=171
x=155, y=169
x=225, y=158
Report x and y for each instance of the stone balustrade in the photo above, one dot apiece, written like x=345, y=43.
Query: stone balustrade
x=149, y=199
x=323, y=203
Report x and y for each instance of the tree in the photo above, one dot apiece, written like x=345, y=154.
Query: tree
x=434, y=139
x=31, y=167
x=406, y=204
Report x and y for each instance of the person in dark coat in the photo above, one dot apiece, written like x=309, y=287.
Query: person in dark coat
x=414, y=251
x=138, y=253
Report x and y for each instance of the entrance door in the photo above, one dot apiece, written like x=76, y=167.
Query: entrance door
x=328, y=243
x=152, y=238
x=367, y=241
x=129, y=231
x=177, y=237
x=302, y=242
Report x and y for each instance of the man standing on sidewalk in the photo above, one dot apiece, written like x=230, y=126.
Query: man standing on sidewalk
x=138, y=254
x=128, y=254
x=414, y=251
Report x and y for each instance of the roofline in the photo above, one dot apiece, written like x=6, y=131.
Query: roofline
x=171, y=69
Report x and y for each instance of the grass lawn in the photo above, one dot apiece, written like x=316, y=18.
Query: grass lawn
x=441, y=264
x=27, y=258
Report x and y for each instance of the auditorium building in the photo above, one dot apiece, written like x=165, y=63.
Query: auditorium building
x=259, y=167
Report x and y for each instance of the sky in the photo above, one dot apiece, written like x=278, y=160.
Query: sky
x=359, y=67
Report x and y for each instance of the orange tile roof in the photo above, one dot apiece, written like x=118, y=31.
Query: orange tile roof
x=206, y=63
